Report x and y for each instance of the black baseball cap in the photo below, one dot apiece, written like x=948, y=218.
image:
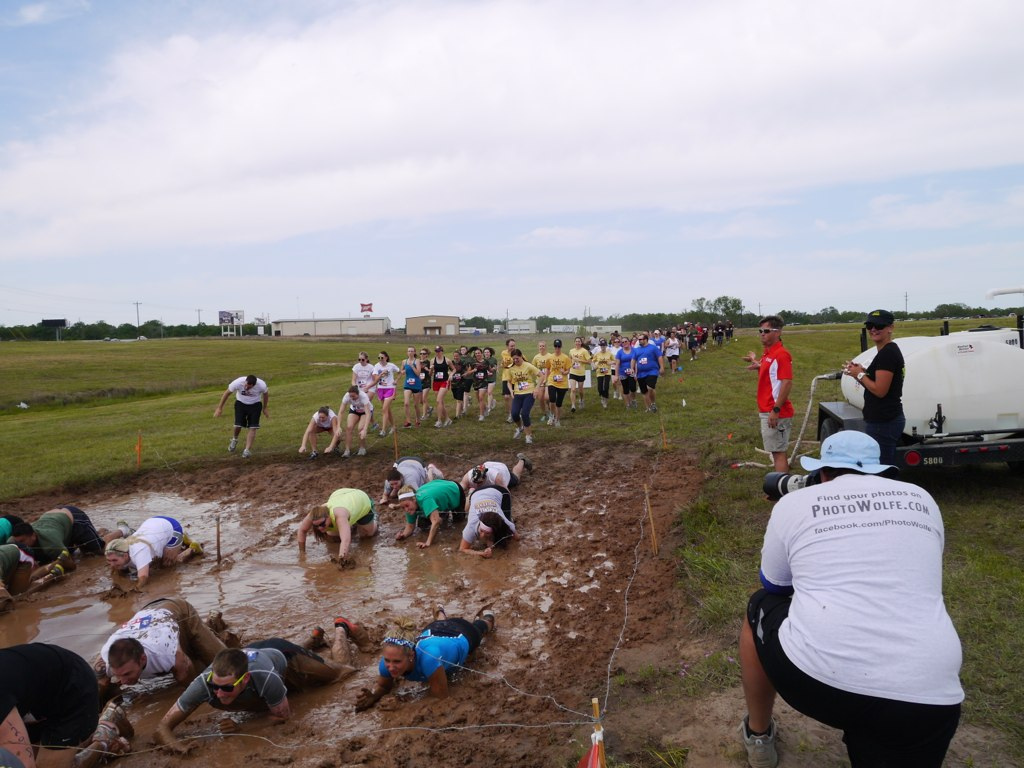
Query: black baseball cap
x=558, y=342
x=882, y=317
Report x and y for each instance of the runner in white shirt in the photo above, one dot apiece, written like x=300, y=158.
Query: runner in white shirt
x=251, y=401
x=322, y=420
x=358, y=407
x=362, y=377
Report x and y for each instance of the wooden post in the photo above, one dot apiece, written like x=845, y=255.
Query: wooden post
x=218, y=539
x=138, y=452
x=394, y=436
x=597, y=728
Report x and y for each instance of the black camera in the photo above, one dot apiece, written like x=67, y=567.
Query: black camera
x=778, y=484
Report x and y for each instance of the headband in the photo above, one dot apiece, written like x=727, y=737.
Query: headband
x=399, y=641
x=120, y=546
x=407, y=495
x=483, y=528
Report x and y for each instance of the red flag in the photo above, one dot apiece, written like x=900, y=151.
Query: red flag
x=366, y=307
x=592, y=759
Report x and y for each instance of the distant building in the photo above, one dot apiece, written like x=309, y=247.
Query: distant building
x=432, y=325
x=333, y=326
x=522, y=326
x=604, y=330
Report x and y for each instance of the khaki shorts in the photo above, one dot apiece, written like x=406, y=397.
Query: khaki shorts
x=776, y=439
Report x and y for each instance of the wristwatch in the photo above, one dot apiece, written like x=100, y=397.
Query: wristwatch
x=776, y=409
x=861, y=375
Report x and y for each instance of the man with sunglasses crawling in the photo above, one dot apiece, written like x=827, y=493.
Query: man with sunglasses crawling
x=259, y=677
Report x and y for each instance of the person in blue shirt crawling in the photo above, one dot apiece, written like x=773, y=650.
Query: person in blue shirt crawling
x=442, y=647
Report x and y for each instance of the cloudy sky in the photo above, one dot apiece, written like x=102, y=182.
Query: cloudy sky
x=482, y=157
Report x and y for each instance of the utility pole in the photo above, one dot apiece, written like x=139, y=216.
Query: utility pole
x=905, y=310
x=199, y=317
x=138, y=325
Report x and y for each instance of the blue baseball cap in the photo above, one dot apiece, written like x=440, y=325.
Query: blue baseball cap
x=848, y=449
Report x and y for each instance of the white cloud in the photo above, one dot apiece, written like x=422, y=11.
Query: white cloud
x=35, y=14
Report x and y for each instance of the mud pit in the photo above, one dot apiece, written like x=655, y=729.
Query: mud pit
x=581, y=596
x=559, y=593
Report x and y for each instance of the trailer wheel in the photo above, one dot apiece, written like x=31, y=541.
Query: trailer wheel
x=829, y=427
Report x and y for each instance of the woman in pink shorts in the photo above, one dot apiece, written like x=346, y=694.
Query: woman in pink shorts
x=384, y=373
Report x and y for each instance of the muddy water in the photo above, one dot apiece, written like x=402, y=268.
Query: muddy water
x=266, y=588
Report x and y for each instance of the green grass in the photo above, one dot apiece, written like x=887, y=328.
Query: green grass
x=91, y=400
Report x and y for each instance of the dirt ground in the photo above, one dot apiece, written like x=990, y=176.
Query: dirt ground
x=583, y=601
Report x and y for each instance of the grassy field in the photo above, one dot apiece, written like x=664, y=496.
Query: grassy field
x=89, y=402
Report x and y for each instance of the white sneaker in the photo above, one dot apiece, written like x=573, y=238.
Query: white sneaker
x=480, y=417
x=447, y=423
x=517, y=433
x=346, y=454
x=529, y=439
x=361, y=452
x=246, y=454
x=760, y=749
x=437, y=423
x=232, y=445
x=508, y=420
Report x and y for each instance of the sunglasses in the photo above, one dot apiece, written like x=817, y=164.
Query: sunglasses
x=363, y=359
x=764, y=331
x=224, y=688
x=380, y=357
x=874, y=327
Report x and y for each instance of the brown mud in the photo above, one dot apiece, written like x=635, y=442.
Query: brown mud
x=585, y=607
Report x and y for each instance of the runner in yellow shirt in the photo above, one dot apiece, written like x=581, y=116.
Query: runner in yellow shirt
x=578, y=372
x=559, y=365
x=604, y=363
x=540, y=361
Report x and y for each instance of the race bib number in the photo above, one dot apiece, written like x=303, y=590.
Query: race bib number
x=412, y=381
x=557, y=377
x=576, y=365
x=439, y=375
x=522, y=386
x=603, y=370
x=643, y=361
x=481, y=375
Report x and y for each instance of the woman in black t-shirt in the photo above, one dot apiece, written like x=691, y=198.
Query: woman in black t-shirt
x=883, y=386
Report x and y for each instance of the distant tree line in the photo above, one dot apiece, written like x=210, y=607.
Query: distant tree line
x=702, y=311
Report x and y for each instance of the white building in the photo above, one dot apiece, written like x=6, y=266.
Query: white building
x=333, y=326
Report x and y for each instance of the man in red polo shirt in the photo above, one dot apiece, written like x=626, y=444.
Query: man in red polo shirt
x=774, y=381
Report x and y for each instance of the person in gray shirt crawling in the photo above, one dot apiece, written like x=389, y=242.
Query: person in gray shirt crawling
x=259, y=677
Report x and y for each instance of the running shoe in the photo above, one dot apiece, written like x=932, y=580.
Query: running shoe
x=346, y=454
x=125, y=529
x=246, y=454
x=760, y=749
x=361, y=452
x=232, y=445
x=517, y=433
x=572, y=409
x=529, y=439
x=437, y=424
x=356, y=633
x=509, y=420
x=480, y=417
x=447, y=423
x=313, y=455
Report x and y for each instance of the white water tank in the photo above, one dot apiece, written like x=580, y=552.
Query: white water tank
x=977, y=377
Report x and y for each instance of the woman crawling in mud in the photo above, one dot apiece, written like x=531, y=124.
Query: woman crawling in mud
x=443, y=646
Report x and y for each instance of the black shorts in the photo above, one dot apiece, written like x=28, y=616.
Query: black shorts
x=876, y=731
x=556, y=395
x=628, y=385
x=472, y=631
x=647, y=382
x=247, y=415
x=83, y=533
x=505, y=389
x=575, y=377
